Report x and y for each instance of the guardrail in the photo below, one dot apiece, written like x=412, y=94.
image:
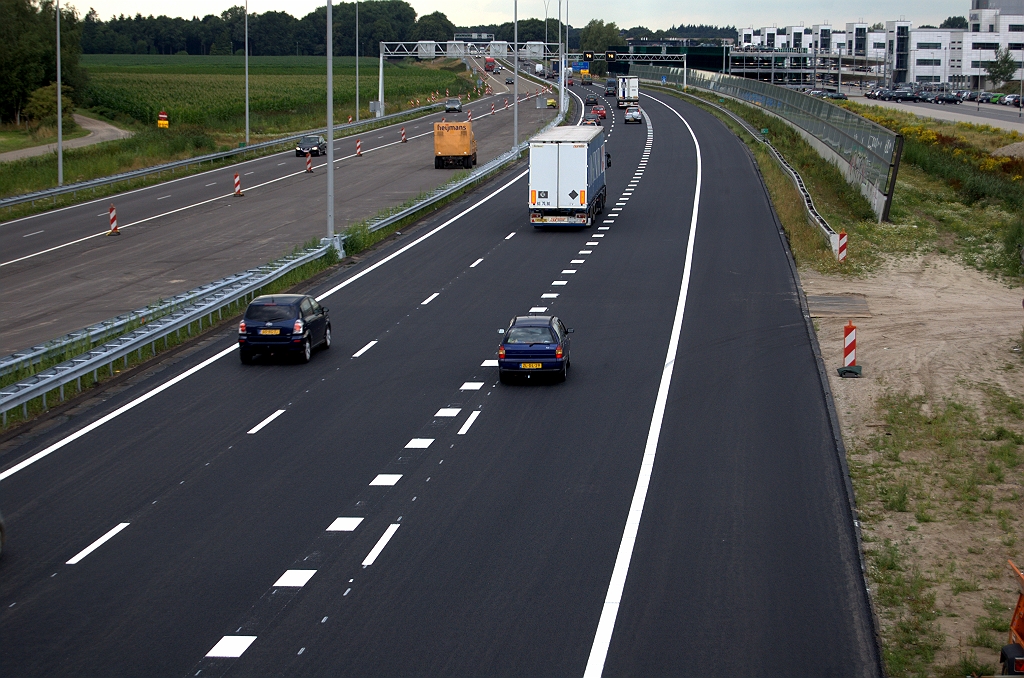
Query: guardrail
x=194, y=306
x=198, y=160
x=813, y=217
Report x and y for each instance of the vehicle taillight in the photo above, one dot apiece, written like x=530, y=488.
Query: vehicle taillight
x=558, y=352
x=501, y=352
x=298, y=327
x=1018, y=664
x=241, y=327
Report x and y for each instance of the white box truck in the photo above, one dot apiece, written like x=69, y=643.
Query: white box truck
x=567, y=176
x=628, y=93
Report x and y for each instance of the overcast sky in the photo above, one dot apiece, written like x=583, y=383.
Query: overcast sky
x=653, y=14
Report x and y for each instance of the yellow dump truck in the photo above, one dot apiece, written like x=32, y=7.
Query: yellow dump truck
x=454, y=145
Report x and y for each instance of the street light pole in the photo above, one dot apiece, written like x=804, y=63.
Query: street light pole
x=60, y=111
x=515, y=62
x=246, y=72
x=330, y=121
x=357, y=60
x=561, y=64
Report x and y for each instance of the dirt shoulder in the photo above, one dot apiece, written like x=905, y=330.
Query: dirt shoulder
x=933, y=433
x=98, y=132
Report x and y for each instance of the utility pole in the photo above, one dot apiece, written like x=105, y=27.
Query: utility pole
x=60, y=111
x=357, y=60
x=561, y=64
x=380, y=84
x=246, y=72
x=330, y=122
x=515, y=61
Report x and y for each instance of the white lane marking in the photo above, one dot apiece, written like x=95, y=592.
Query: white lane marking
x=568, y=271
x=295, y=578
x=386, y=479
x=489, y=363
x=214, y=183
x=366, y=348
x=231, y=646
x=163, y=197
x=248, y=173
x=368, y=269
x=578, y=261
x=448, y=412
x=113, y=415
x=281, y=163
x=419, y=443
x=509, y=236
x=606, y=624
x=433, y=296
x=472, y=386
x=475, y=263
x=549, y=295
x=29, y=235
x=344, y=524
x=559, y=282
x=96, y=544
x=602, y=228
x=257, y=427
x=536, y=309
x=586, y=251
x=592, y=243
x=106, y=214
x=469, y=422
x=598, y=235
x=381, y=543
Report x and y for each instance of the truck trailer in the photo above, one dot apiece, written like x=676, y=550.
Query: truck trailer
x=489, y=64
x=454, y=145
x=567, y=176
x=628, y=93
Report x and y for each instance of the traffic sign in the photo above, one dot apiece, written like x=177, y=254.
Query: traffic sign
x=610, y=56
x=588, y=56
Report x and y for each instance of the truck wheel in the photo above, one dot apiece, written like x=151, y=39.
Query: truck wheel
x=437, y=163
x=469, y=163
x=474, y=158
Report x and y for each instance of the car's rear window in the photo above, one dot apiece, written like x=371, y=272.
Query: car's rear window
x=530, y=335
x=270, y=312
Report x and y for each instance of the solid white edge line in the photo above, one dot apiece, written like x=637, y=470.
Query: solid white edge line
x=96, y=544
x=257, y=427
x=188, y=373
x=381, y=543
x=606, y=624
x=469, y=422
x=364, y=349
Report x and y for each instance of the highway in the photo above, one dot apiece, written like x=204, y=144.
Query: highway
x=183, y=233
x=675, y=508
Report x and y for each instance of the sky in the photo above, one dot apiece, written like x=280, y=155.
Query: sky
x=653, y=14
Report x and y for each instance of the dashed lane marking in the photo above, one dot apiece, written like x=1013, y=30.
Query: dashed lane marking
x=386, y=479
x=371, y=557
x=559, y=282
x=568, y=271
x=509, y=236
x=475, y=263
x=231, y=646
x=489, y=363
x=419, y=443
x=586, y=251
x=295, y=578
x=257, y=427
x=537, y=309
x=469, y=422
x=364, y=349
x=549, y=295
x=96, y=544
x=448, y=412
x=344, y=525
x=472, y=386
x=429, y=299
x=578, y=261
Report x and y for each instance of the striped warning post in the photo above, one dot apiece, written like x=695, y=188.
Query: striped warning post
x=238, y=185
x=470, y=118
x=492, y=108
x=349, y=117
x=849, y=344
x=404, y=140
x=506, y=104
x=309, y=163
x=842, y=246
x=113, y=221
x=359, y=148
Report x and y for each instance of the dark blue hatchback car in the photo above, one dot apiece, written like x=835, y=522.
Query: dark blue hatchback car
x=283, y=324
x=534, y=344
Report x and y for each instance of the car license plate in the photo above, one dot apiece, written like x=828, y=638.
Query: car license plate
x=530, y=366
x=270, y=331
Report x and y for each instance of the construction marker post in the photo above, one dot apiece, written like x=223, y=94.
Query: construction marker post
x=238, y=186
x=404, y=140
x=506, y=104
x=850, y=367
x=492, y=108
x=113, y=221
x=470, y=118
x=350, y=118
x=309, y=162
x=842, y=247
x=359, y=148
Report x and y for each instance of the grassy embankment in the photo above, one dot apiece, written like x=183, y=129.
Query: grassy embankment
x=14, y=137
x=935, y=458
x=205, y=100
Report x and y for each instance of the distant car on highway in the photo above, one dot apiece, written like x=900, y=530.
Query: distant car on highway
x=283, y=324
x=312, y=144
x=592, y=118
x=591, y=121
x=551, y=103
x=534, y=344
x=599, y=111
x=568, y=83
x=633, y=114
x=590, y=99
x=509, y=80
x=453, y=105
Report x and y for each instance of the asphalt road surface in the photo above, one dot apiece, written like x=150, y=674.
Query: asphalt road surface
x=675, y=508
x=181, y=234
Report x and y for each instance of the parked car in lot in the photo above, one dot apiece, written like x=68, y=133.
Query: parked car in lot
x=451, y=105
x=314, y=144
x=945, y=98
x=837, y=96
x=590, y=99
x=284, y=325
x=1010, y=100
x=534, y=344
x=927, y=97
x=633, y=114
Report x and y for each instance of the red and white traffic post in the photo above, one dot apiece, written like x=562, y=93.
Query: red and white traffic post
x=492, y=108
x=506, y=104
x=842, y=247
x=309, y=162
x=850, y=344
x=404, y=140
x=238, y=185
x=113, y=221
x=359, y=148
x=470, y=118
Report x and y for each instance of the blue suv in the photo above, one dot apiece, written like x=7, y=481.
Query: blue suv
x=534, y=344
x=283, y=324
